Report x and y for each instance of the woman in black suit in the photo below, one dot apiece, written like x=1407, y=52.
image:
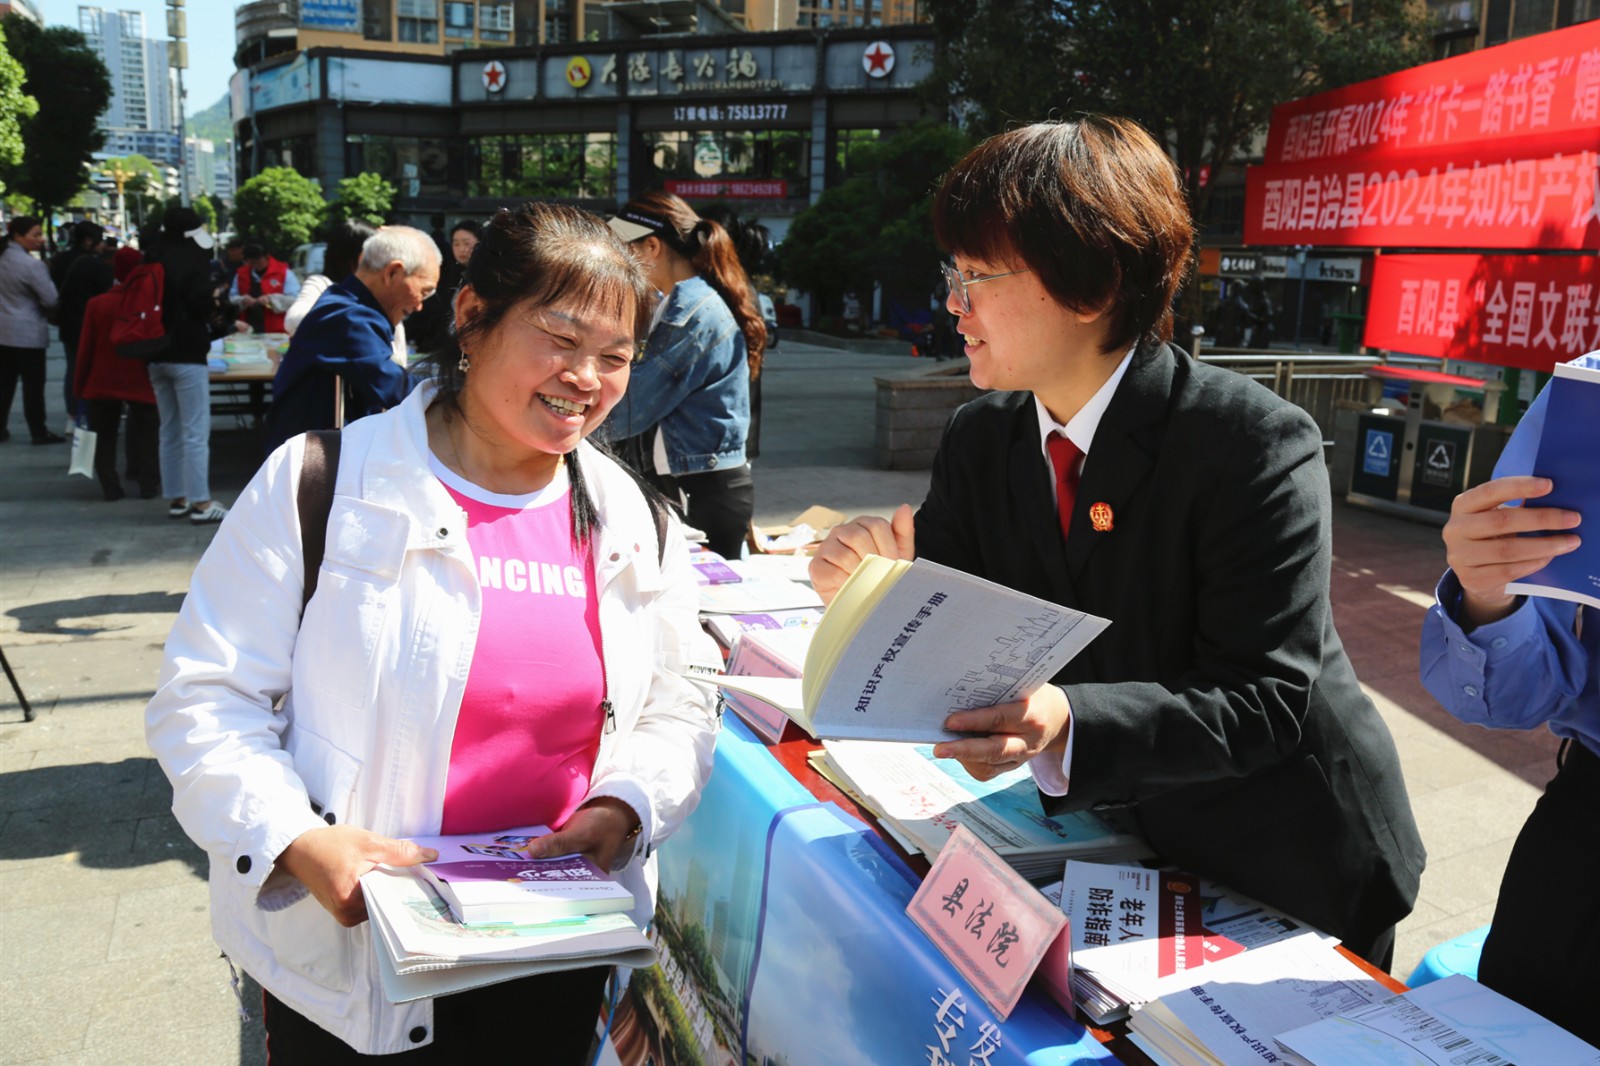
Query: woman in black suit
x=1218, y=716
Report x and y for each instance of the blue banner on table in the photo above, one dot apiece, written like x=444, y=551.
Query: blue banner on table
x=784, y=938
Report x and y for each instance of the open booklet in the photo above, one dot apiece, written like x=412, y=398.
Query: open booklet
x=905, y=643
x=1568, y=446
x=423, y=951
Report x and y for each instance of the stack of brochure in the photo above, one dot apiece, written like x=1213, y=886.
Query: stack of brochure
x=1454, y=1020
x=1138, y=933
x=919, y=800
x=1229, y=1013
x=423, y=951
x=727, y=629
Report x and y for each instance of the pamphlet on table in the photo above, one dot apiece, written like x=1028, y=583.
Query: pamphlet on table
x=1452, y=1020
x=926, y=799
x=1568, y=446
x=1229, y=1012
x=905, y=643
x=1138, y=932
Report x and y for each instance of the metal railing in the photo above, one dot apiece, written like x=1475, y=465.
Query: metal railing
x=1317, y=382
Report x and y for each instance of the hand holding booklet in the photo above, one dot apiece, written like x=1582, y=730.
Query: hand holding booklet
x=488, y=879
x=905, y=643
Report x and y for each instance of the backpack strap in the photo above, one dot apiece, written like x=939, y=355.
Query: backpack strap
x=314, y=500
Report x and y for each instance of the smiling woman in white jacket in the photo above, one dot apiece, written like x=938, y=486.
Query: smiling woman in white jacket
x=300, y=750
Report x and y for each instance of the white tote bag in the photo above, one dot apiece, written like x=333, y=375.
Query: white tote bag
x=83, y=440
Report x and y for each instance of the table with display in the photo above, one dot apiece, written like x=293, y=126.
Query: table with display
x=784, y=938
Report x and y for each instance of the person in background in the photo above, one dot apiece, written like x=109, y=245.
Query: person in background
x=108, y=383
x=753, y=242
x=346, y=341
x=339, y=261
x=1218, y=717
x=691, y=390
x=417, y=695
x=26, y=293
x=263, y=289
x=84, y=274
x=430, y=327
x=179, y=376
x=1528, y=662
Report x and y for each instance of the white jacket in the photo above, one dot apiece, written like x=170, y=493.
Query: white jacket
x=371, y=682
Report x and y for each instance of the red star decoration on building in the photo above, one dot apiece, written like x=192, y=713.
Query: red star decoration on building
x=492, y=75
x=878, y=58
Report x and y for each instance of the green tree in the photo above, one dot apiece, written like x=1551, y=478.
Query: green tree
x=876, y=225
x=16, y=107
x=73, y=89
x=1201, y=75
x=368, y=197
x=206, y=208
x=278, y=207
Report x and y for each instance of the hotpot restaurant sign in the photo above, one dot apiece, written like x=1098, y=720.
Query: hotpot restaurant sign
x=1529, y=311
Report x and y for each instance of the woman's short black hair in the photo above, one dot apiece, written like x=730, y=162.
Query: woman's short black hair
x=1093, y=206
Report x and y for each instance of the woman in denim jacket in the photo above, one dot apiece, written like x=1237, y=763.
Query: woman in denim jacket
x=690, y=393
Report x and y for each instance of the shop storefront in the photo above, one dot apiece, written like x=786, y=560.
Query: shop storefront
x=764, y=121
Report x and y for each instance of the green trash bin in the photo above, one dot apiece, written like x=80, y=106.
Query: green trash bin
x=1349, y=331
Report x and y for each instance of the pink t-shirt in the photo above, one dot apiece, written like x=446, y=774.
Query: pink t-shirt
x=529, y=728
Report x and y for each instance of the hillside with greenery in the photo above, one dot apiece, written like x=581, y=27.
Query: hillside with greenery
x=212, y=124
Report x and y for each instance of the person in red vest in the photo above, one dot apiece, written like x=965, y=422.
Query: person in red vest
x=108, y=382
x=263, y=289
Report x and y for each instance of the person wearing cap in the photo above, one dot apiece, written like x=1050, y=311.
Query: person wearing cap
x=179, y=375
x=346, y=341
x=690, y=393
x=108, y=382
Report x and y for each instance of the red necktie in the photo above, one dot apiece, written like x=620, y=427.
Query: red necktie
x=1064, y=456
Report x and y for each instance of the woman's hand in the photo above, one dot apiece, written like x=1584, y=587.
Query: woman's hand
x=852, y=541
x=600, y=830
x=330, y=863
x=1484, y=549
x=1013, y=733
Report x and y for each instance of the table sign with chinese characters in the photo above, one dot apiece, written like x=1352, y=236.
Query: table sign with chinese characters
x=992, y=925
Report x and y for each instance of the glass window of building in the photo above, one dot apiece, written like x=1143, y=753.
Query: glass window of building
x=755, y=155
x=377, y=20
x=415, y=166
x=574, y=166
x=1575, y=11
x=419, y=21
x=458, y=20
x=494, y=22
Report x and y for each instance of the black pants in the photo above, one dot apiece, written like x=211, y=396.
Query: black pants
x=1542, y=948
x=143, y=450
x=26, y=365
x=552, y=1017
x=719, y=502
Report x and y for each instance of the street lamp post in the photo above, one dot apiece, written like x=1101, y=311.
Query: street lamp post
x=120, y=175
x=1300, y=306
x=178, y=60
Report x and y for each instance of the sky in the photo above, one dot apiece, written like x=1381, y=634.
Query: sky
x=211, y=39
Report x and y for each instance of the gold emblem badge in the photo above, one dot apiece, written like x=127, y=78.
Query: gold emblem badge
x=1100, y=517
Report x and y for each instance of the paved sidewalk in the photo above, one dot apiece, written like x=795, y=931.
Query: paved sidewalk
x=103, y=920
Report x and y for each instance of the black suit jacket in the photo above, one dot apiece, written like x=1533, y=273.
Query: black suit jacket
x=1218, y=712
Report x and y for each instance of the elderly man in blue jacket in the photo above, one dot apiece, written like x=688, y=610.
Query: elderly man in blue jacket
x=349, y=336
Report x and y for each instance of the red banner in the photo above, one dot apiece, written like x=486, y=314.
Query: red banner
x=774, y=189
x=1548, y=84
x=1529, y=311
x=1473, y=200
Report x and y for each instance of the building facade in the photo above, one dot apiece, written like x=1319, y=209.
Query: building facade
x=26, y=9
x=142, y=116
x=763, y=121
